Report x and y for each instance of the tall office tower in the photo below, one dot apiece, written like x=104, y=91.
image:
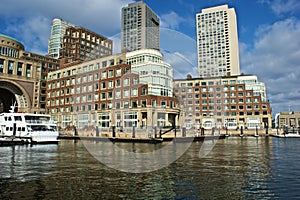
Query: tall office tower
x=58, y=30
x=140, y=27
x=217, y=42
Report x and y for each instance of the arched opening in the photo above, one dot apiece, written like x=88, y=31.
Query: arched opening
x=7, y=99
x=11, y=93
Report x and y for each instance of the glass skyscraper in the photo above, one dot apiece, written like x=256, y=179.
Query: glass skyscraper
x=55, y=42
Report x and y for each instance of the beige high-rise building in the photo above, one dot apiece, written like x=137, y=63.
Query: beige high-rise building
x=217, y=42
x=140, y=27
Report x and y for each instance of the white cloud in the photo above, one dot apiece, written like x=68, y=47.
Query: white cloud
x=100, y=16
x=171, y=20
x=275, y=58
x=280, y=7
x=33, y=33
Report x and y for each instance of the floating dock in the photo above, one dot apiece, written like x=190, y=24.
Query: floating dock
x=11, y=141
x=144, y=140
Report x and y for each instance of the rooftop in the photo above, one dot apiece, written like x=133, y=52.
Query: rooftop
x=8, y=37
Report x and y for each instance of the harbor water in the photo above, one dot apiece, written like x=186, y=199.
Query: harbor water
x=235, y=168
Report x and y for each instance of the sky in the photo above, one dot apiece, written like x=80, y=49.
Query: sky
x=268, y=32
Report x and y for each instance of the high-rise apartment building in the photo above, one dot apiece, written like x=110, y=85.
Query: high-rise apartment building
x=80, y=44
x=58, y=30
x=140, y=27
x=217, y=42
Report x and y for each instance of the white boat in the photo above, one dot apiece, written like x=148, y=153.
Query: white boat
x=288, y=135
x=33, y=128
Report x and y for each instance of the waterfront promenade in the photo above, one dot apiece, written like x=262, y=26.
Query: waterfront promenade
x=142, y=134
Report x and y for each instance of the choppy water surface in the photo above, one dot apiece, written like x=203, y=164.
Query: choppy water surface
x=236, y=168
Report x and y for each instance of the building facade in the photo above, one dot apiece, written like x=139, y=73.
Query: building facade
x=58, y=29
x=152, y=69
x=288, y=120
x=105, y=92
x=221, y=102
x=217, y=42
x=140, y=27
x=23, y=77
x=80, y=44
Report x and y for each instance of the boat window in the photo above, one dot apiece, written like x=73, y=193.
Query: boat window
x=41, y=128
x=37, y=119
x=18, y=118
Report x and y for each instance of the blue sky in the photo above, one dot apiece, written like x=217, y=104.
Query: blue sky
x=269, y=31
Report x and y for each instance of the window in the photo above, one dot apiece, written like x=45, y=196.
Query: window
x=10, y=67
x=19, y=70
x=144, y=103
x=126, y=81
x=110, y=84
x=134, y=92
x=109, y=95
x=103, y=95
x=144, y=91
x=118, y=72
x=103, y=119
x=103, y=74
x=126, y=104
x=118, y=83
x=110, y=73
x=103, y=85
x=104, y=64
x=134, y=104
x=126, y=93
x=28, y=70
x=118, y=94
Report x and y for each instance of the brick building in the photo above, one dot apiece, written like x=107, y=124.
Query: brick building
x=223, y=102
x=105, y=92
x=80, y=44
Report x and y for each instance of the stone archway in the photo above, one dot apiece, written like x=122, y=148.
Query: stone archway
x=12, y=93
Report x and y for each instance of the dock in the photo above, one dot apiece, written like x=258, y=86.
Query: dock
x=143, y=140
x=11, y=141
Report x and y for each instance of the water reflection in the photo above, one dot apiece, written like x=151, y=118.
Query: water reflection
x=236, y=168
x=26, y=162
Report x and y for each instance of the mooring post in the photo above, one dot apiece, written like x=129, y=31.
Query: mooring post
x=113, y=131
x=183, y=131
x=97, y=131
x=256, y=131
x=133, y=132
